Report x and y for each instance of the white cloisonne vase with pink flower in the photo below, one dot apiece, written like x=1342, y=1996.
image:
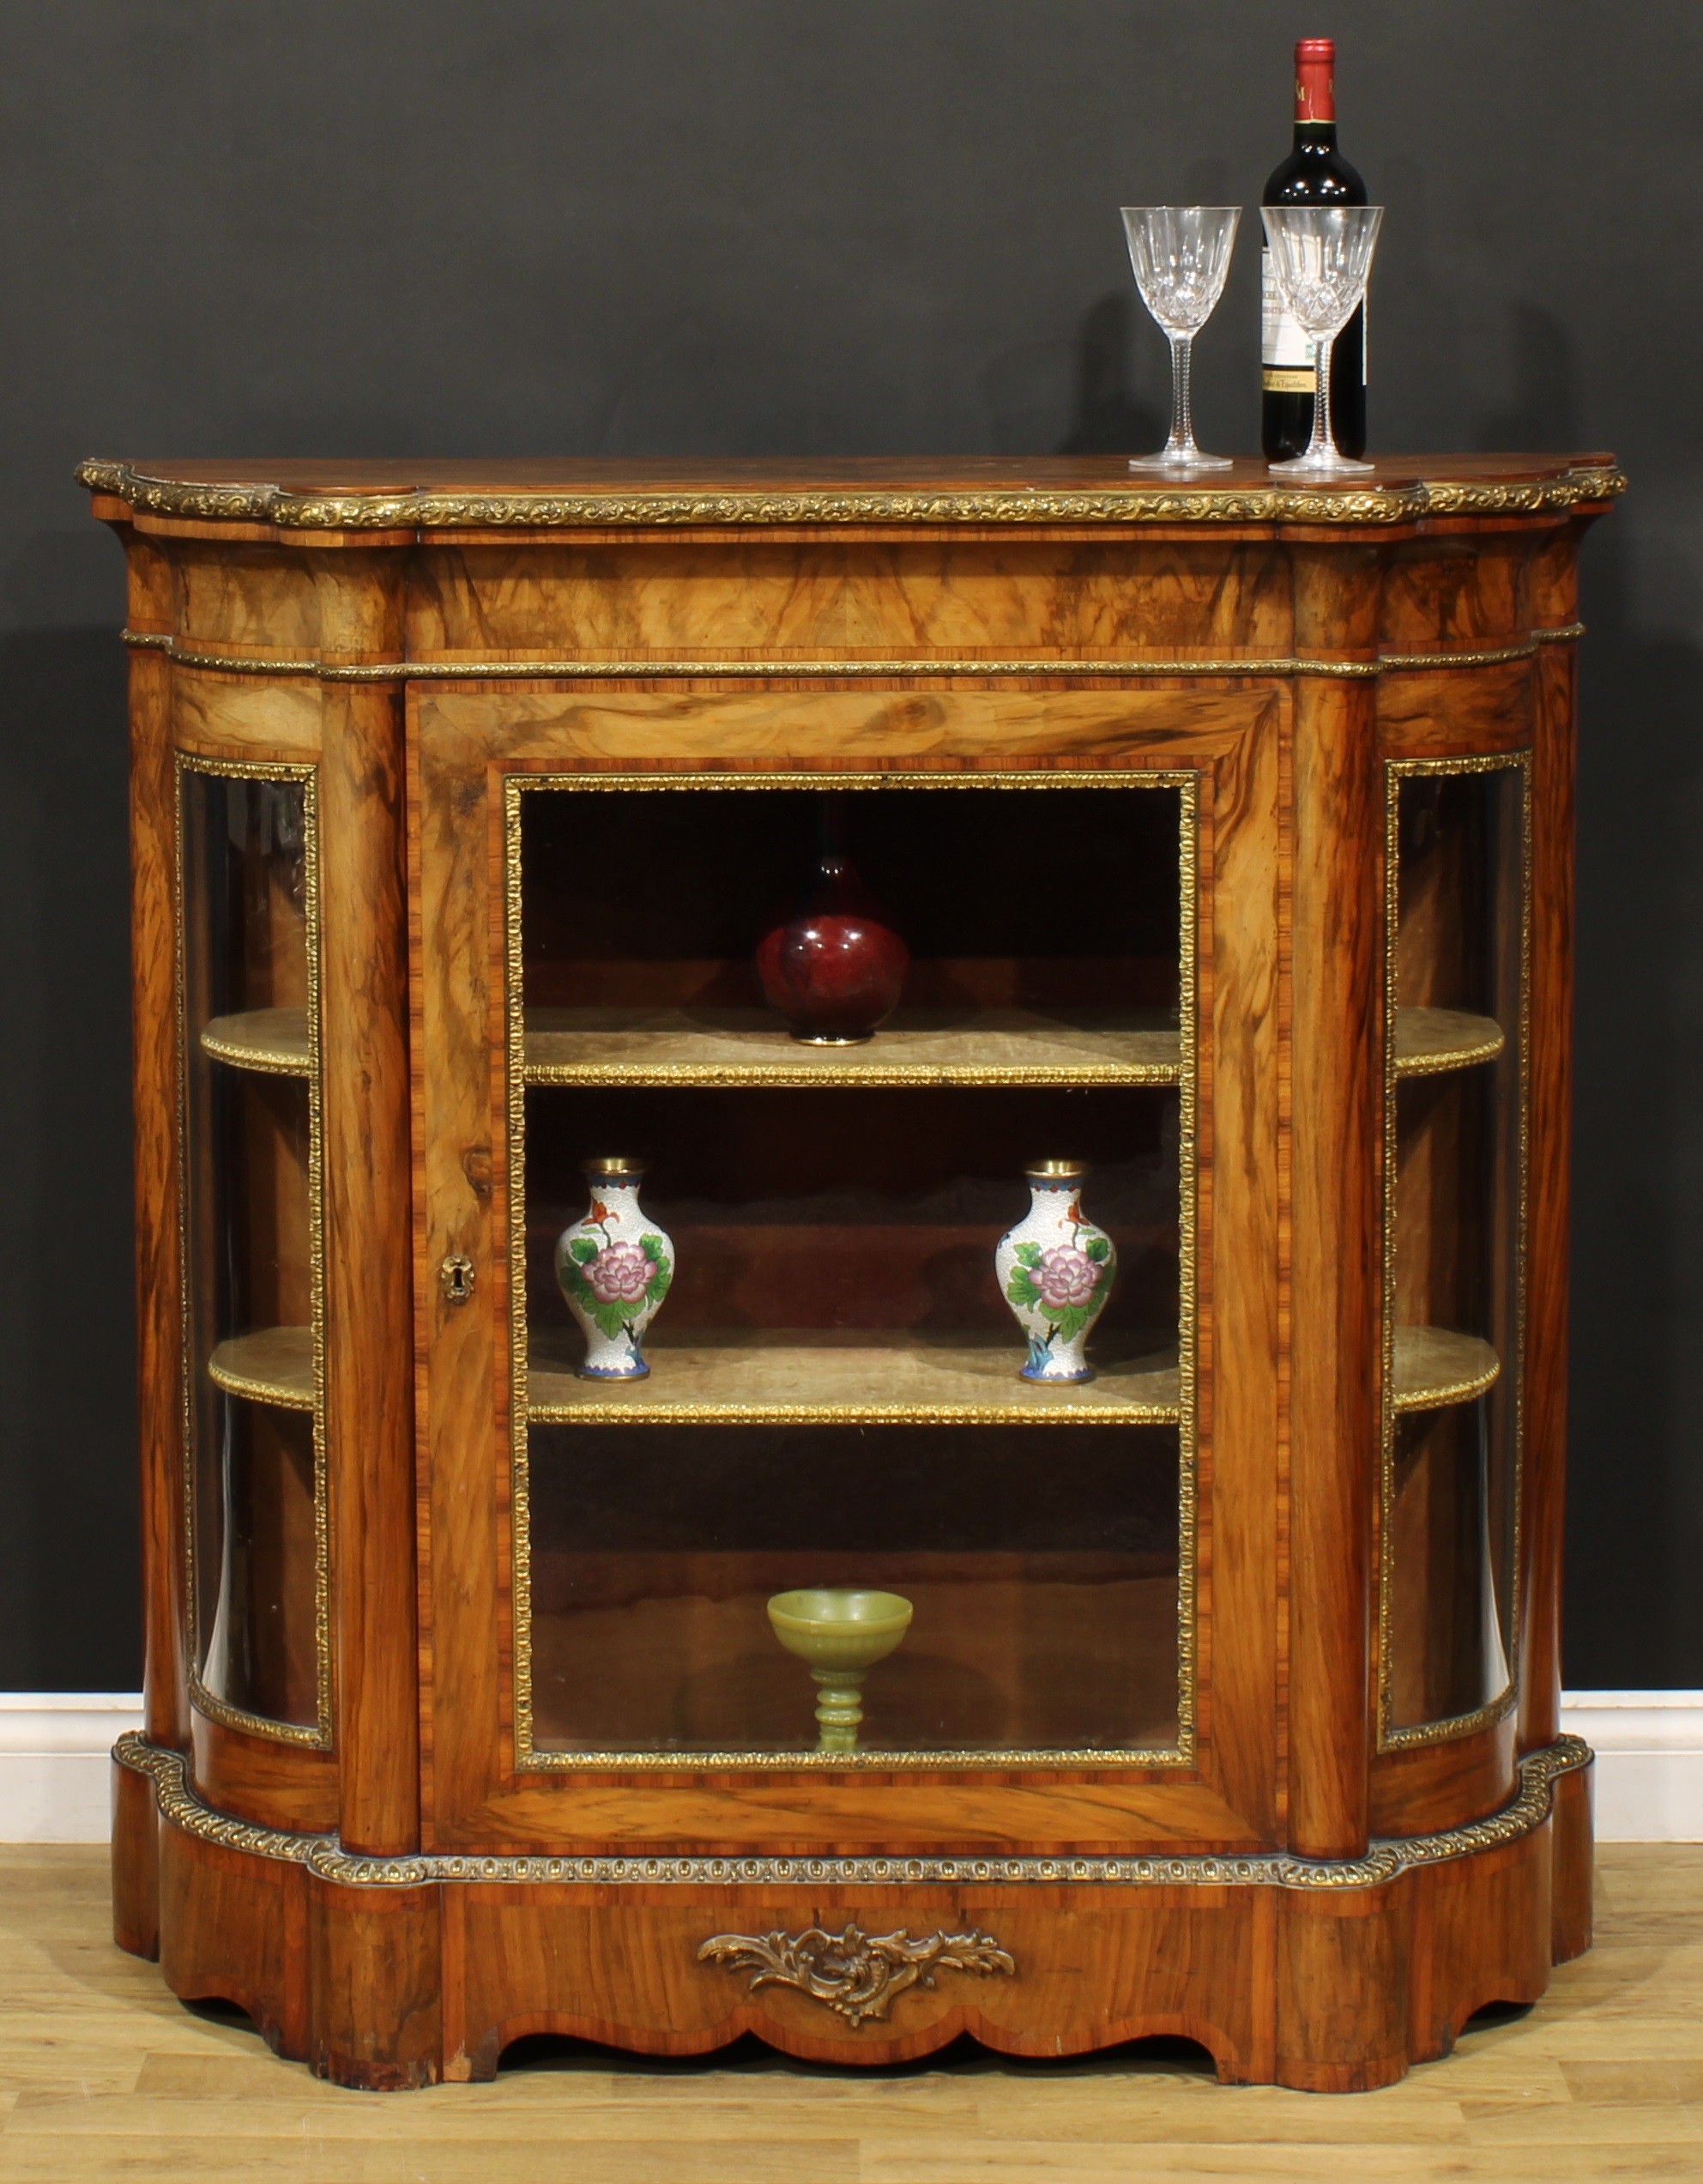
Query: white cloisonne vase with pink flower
x=1056, y=1271
x=614, y=1267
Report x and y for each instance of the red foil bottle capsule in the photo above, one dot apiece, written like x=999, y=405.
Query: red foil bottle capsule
x=835, y=969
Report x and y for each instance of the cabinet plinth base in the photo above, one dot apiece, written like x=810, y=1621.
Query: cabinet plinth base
x=388, y=1973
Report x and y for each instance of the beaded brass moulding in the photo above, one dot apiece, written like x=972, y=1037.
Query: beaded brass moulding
x=1382, y=1861
x=933, y=667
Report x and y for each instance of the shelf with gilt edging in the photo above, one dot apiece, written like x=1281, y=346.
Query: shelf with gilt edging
x=731, y=1046
x=269, y=1364
x=860, y=1377
x=852, y=1378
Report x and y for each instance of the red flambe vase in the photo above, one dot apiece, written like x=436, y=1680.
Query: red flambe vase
x=836, y=968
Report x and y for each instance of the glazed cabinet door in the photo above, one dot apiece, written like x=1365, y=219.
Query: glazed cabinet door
x=765, y=1506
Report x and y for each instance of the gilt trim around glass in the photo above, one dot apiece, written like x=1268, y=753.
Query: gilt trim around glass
x=527, y=1756
x=319, y=1734
x=1391, y=1738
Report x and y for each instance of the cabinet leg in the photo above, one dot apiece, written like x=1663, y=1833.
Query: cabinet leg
x=1574, y=1853
x=1341, y=1990
x=375, y=1976
x=135, y=1864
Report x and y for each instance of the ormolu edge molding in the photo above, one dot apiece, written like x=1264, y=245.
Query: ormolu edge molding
x=663, y=670
x=1384, y=1861
x=397, y=512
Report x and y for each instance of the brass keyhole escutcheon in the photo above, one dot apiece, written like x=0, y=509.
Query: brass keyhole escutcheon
x=457, y=1274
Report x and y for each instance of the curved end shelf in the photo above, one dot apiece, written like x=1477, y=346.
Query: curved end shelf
x=272, y=1364
x=1429, y=1041
x=1435, y=1366
x=274, y=1040
x=805, y=1378
x=596, y=1046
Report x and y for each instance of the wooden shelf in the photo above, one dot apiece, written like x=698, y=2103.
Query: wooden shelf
x=810, y=1377
x=921, y=1046
x=1435, y=1366
x=271, y=1039
x=731, y=1046
x=1430, y=1040
x=273, y=1364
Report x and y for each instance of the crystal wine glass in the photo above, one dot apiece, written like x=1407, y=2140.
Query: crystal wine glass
x=1180, y=254
x=1321, y=256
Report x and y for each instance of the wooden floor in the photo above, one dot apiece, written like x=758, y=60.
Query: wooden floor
x=103, y=2075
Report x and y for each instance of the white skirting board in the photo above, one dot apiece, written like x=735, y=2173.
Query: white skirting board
x=55, y=1779
x=1649, y=1748
x=54, y=1748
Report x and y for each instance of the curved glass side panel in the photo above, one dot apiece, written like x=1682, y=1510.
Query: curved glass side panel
x=1454, y=1242
x=251, y=1147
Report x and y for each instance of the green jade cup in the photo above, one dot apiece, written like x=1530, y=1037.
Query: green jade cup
x=840, y=1636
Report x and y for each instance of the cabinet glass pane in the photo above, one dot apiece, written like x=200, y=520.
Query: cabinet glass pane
x=1040, y=1563
x=834, y=1398
x=643, y=910
x=250, y=1183
x=1455, y=1222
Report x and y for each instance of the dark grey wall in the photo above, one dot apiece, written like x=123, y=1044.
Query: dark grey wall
x=477, y=227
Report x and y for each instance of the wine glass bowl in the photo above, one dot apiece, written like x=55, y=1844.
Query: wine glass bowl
x=1181, y=256
x=839, y=1634
x=1322, y=256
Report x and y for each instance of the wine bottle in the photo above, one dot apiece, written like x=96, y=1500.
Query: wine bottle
x=1314, y=173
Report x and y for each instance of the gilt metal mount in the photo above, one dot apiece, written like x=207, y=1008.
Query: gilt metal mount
x=857, y=1974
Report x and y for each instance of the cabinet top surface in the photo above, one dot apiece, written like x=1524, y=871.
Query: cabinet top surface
x=876, y=490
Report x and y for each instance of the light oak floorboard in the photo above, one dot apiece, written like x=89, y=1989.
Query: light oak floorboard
x=103, y=2075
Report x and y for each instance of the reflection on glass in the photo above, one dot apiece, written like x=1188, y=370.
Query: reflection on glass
x=1062, y=902
x=1040, y=1564
x=1455, y=1219
x=830, y=1231
x=816, y=1214
x=250, y=1308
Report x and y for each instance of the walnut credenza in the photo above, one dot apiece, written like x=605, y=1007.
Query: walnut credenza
x=1230, y=830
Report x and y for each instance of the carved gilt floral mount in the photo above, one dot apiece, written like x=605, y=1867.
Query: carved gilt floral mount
x=858, y=1975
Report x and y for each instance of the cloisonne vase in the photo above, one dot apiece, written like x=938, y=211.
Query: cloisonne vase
x=1056, y=1271
x=614, y=1267
x=836, y=968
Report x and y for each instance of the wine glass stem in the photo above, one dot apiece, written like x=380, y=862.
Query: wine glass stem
x=1182, y=441
x=1324, y=440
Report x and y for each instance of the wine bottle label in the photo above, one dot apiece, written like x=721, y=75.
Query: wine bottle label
x=1285, y=351
x=1283, y=348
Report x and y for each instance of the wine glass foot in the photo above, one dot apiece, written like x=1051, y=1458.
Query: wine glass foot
x=1180, y=465
x=1320, y=466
